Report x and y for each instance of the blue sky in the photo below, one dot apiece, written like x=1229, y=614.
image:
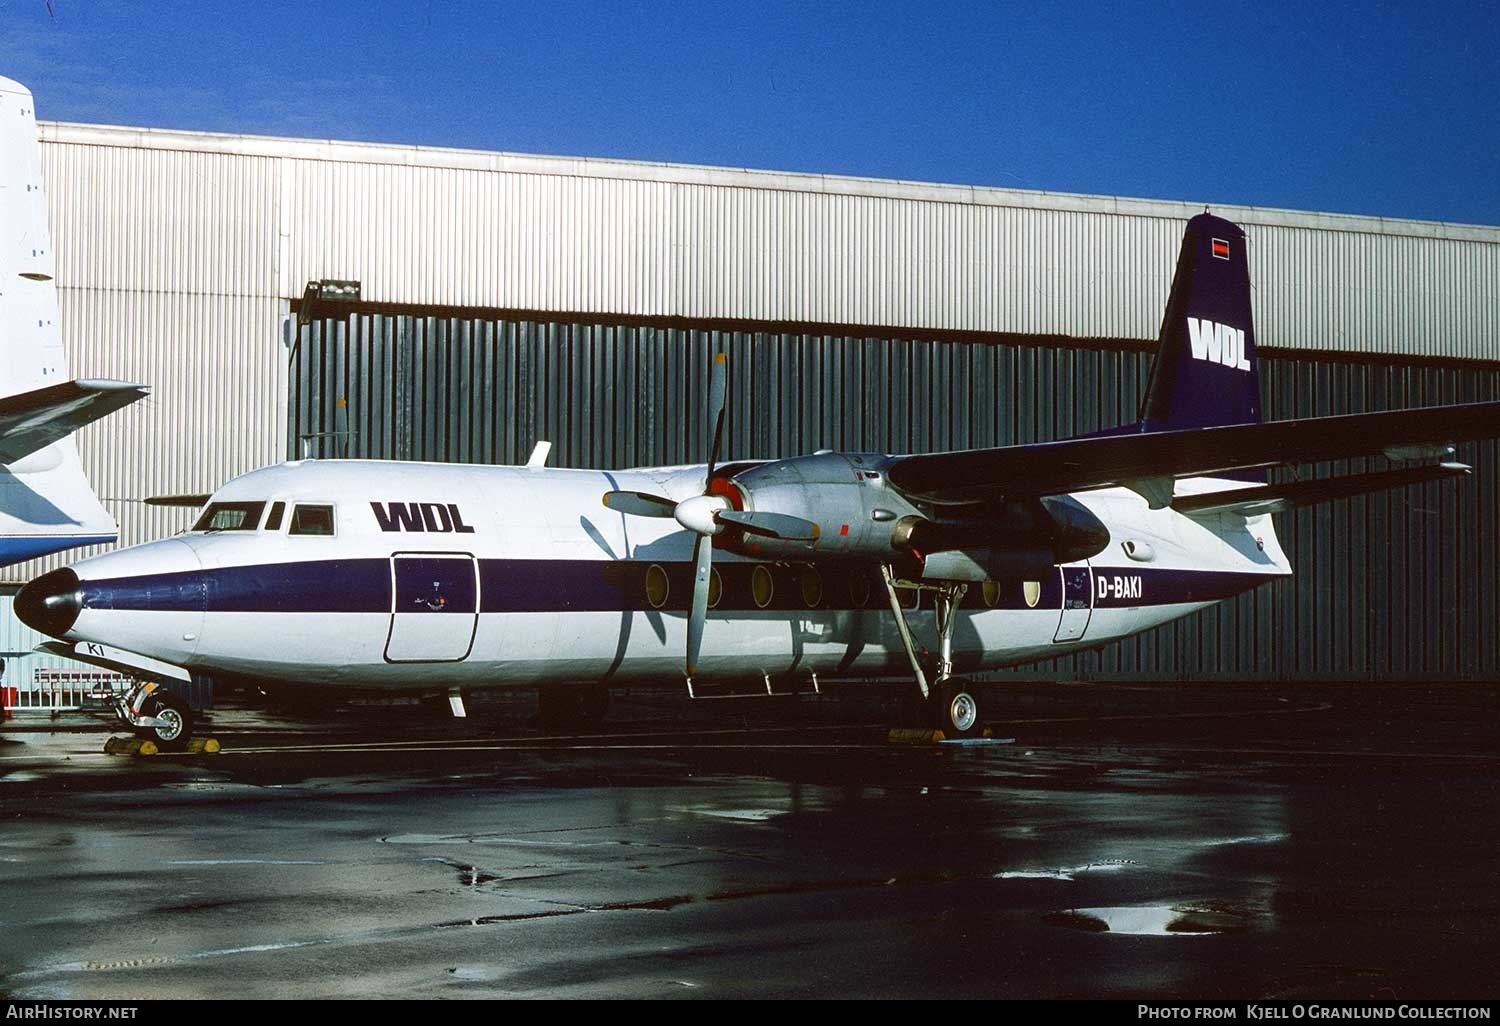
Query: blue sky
x=1390, y=110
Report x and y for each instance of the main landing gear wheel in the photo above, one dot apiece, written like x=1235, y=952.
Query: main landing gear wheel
x=175, y=721
x=955, y=709
x=950, y=705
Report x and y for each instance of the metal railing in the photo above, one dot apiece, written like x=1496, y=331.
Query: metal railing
x=55, y=691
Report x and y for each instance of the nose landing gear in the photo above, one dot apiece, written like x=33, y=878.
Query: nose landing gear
x=156, y=714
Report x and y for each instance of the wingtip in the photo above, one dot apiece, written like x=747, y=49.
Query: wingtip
x=111, y=385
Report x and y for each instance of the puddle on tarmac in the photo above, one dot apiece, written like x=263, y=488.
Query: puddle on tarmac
x=248, y=862
x=1188, y=920
x=1216, y=842
x=733, y=815
x=1103, y=866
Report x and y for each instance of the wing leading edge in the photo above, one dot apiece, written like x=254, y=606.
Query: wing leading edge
x=1081, y=464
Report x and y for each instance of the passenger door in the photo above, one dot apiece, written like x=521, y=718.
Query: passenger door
x=436, y=607
x=1077, y=600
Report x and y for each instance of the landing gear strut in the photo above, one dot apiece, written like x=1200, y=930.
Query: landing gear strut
x=948, y=703
x=156, y=714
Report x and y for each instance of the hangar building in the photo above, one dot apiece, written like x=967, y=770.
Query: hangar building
x=505, y=298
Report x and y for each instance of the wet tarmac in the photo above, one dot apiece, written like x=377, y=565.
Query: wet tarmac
x=1176, y=841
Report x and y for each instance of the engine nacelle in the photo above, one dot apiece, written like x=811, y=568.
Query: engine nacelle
x=987, y=564
x=1074, y=531
x=858, y=516
x=845, y=494
x=1058, y=526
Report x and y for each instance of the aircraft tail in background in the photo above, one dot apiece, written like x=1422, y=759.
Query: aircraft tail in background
x=46, y=504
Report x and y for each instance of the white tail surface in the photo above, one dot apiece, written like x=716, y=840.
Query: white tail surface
x=46, y=504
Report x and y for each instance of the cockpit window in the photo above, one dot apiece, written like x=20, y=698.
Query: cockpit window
x=230, y=516
x=312, y=520
x=273, y=519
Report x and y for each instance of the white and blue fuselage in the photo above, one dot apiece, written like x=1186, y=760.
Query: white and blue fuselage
x=415, y=576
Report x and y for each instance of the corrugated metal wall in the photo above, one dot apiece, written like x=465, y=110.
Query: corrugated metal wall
x=1404, y=584
x=769, y=251
x=178, y=254
x=166, y=275
x=433, y=227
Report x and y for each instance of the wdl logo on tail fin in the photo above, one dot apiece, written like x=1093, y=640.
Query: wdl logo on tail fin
x=1205, y=373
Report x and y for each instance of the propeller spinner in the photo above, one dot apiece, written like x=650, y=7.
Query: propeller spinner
x=708, y=515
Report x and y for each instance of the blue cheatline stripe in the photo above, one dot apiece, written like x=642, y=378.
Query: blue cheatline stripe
x=17, y=549
x=560, y=585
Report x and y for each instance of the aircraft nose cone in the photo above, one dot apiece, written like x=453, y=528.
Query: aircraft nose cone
x=51, y=603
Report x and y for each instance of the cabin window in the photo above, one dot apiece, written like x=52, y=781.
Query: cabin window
x=312, y=520
x=991, y=591
x=230, y=516
x=273, y=519
x=812, y=587
x=658, y=587
x=859, y=589
x=762, y=587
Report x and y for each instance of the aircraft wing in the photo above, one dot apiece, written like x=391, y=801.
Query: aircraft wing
x=1080, y=464
x=1253, y=500
x=34, y=420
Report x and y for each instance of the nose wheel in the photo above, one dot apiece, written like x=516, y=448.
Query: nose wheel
x=156, y=714
x=171, y=721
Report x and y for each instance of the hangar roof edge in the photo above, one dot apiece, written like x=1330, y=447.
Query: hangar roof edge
x=748, y=178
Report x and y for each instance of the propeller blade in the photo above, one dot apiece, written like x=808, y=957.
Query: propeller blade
x=771, y=525
x=716, y=391
x=703, y=555
x=639, y=504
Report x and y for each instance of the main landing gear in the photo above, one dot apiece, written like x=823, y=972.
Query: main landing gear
x=947, y=704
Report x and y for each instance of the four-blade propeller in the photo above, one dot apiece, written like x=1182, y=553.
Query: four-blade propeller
x=707, y=515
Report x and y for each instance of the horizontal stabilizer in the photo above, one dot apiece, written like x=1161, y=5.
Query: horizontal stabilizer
x=1080, y=464
x=179, y=501
x=34, y=420
x=1258, y=499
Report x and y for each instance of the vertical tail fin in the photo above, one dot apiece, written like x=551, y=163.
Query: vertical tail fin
x=31, y=354
x=46, y=503
x=1205, y=373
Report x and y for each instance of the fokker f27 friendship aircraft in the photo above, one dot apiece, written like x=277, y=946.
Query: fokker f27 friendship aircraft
x=46, y=504
x=402, y=576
